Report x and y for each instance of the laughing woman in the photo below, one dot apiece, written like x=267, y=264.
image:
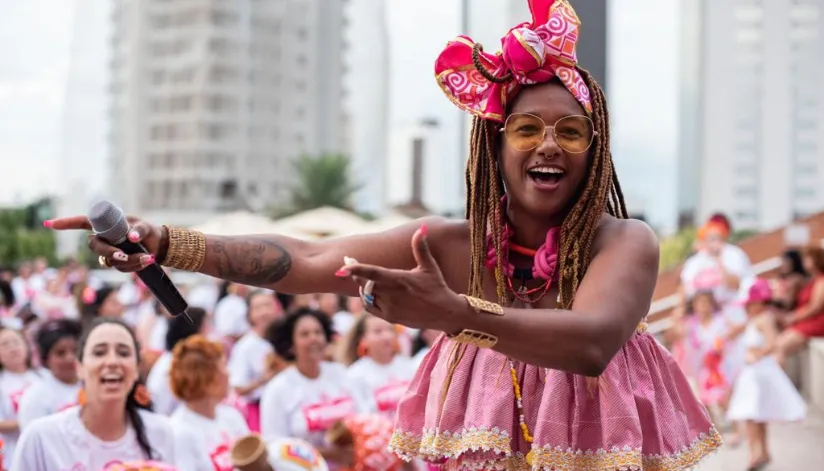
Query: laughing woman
x=94, y=435
x=542, y=291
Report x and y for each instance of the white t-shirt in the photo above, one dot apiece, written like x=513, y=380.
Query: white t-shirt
x=12, y=386
x=701, y=273
x=157, y=336
x=46, y=397
x=293, y=405
x=342, y=322
x=230, y=316
x=61, y=442
x=163, y=400
x=248, y=361
x=204, y=444
x=387, y=383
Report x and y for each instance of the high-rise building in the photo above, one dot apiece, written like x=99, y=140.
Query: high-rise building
x=211, y=101
x=367, y=100
x=752, y=118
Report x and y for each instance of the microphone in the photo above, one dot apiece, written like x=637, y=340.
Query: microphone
x=109, y=223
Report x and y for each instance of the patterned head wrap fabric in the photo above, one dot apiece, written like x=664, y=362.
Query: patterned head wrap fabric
x=482, y=83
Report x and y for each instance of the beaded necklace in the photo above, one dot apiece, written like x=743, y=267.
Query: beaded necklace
x=545, y=267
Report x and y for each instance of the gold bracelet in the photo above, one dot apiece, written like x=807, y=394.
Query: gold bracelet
x=187, y=249
x=481, y=305
x=473, y=337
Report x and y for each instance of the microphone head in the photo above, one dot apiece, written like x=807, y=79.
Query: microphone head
x=109, y=222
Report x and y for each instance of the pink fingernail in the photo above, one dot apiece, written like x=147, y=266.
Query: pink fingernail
x=424, y=230
x=48, y=224
x=147, y=260
x=134, y=236
x=342, y=273
x=120, y=256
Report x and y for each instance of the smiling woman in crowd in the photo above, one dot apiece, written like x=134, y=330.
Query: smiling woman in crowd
x=113, y=422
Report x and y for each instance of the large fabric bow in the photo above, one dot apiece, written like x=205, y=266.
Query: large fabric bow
x=531, y=53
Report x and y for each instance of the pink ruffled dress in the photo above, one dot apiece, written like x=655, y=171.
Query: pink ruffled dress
x=460, y=411
x=643, y=414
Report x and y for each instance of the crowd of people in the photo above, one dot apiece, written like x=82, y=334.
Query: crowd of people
x=245, y=361
x=734, y=332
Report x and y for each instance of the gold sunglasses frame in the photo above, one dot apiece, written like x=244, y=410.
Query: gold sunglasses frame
x=554, y=137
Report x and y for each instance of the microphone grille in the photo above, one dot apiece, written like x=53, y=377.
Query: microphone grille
x=108, y=222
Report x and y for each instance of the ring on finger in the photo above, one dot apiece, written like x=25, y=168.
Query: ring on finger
x=369, y=299
x=370, y=285
x=104, y=262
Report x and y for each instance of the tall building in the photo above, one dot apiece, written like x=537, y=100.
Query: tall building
x=83, y=173
x=367, y=100
x=212, y=100
x=752, y=124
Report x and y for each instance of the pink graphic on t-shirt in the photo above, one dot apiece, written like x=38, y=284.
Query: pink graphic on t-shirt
x=15, y=397
x=708, y=279
x=322, y=415
x=221, y=458
x=389, y=395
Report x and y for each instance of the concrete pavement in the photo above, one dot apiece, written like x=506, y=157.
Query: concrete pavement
x=794, y=447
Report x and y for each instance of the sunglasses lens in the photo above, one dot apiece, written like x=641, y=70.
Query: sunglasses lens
x=524, y=132
x=574, y=133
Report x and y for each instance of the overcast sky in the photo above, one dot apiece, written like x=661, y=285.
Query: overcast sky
x=35, y=58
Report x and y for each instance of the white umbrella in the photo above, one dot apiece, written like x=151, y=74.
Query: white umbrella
x=322, y=222
x=242, y=223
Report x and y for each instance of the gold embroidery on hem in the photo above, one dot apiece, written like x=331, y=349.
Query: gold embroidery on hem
x=436, y=446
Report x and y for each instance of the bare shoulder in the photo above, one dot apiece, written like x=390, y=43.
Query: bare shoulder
x=630, y=236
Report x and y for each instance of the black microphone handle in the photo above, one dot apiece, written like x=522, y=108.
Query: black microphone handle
x=157, y=281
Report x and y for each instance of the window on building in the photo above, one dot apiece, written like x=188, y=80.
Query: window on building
x=746, y=192
x=804, y=192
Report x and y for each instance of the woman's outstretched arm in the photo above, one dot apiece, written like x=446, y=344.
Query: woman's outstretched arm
x=271, y=261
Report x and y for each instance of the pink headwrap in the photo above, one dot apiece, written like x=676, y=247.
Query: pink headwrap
x=531, y=53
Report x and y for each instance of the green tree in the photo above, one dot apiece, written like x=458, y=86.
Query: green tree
x=676, y=248
x=21, y=239
x=323, y=180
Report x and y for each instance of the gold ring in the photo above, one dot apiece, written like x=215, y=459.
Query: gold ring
x=103, y=262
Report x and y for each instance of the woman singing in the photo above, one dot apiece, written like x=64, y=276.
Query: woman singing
x=542, y=291
x=113, y=424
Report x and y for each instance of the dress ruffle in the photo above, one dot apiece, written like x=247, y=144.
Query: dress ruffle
x=642, y=415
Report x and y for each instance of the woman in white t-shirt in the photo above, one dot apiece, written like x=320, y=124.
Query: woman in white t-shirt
x=306, y=399
x=252, y=363
x=56, y=342
x=157, y=382
x=16, y=375
x=114, y=422
x=205, y=430
x=373, y=353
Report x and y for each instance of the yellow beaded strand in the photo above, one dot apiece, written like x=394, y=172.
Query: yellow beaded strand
x=521, y=418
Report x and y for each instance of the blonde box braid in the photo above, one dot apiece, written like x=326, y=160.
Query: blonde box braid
x=484, y=190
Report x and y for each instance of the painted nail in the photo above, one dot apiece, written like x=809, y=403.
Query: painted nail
x=342, y=273
x=424, y=230
x=120, y=256
x=134, y=236
x=48, y=224
x=147, y=260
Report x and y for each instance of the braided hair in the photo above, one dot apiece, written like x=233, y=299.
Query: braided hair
x=484, y=190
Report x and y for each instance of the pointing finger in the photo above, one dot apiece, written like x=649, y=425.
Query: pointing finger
x=69, y=223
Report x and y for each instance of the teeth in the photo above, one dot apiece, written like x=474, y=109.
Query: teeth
x=552, y=170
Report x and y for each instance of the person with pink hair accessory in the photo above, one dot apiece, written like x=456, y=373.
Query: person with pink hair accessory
x=545, y=362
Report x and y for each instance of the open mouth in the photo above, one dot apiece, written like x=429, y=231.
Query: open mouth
x=546, y=176
x=111, y=380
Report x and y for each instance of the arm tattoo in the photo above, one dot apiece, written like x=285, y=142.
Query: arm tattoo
x=256, y=261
